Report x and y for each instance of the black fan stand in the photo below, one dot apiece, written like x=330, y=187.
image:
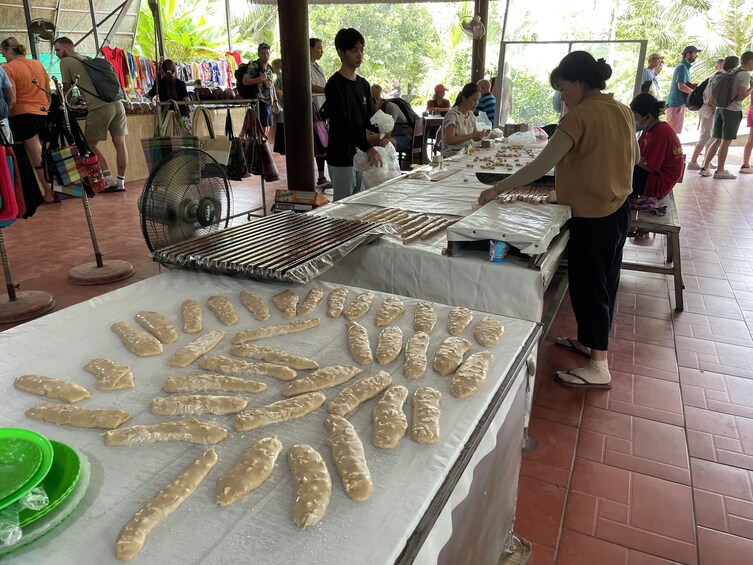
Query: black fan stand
x=99, y=271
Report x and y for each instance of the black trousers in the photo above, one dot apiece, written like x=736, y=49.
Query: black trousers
x=640, y=176
x=594, y=258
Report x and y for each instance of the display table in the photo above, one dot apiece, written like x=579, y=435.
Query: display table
x=428, y=502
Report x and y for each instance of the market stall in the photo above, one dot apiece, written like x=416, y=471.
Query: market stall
x=428, y=502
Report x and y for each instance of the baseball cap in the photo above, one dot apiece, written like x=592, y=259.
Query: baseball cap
x=655, y=56
x=440, y=88
x=263, y=46
x=690, y=49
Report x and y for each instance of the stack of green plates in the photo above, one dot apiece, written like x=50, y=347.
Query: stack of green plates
x=28, y=459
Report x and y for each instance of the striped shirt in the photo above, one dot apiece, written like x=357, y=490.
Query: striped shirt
x=488, y=105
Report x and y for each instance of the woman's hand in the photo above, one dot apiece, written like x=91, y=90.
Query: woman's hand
x=488, y=195
x=479, y=135
x=373, y=156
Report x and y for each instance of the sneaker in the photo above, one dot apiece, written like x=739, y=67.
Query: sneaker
x=115, y=188
x=724, y=174
x=712, y=166
x=705, y=172
x=694, y=167
x=322, y=182
x=746, y=169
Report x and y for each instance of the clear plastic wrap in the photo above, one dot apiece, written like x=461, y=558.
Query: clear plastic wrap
x=10, y=529
x=374, y=176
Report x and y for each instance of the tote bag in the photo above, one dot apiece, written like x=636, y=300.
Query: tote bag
x=170, y=136
x=321, y=135
x=217, y=147
x=258, y=153
x=236, y=164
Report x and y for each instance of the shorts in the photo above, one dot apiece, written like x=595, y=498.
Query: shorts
x=265, y=114
x=750, y=117
x=26, y=126
x=726, y=124
x=110, y=117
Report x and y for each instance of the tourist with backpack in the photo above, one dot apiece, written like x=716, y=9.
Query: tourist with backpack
x=260, y=78
x=728, y=90
x=105, y=111
x=680, y=88
x=699, y=100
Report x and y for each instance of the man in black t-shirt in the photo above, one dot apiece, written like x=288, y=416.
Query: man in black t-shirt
x=349, y=106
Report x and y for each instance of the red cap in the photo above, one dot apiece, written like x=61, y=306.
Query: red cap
x=440, y=88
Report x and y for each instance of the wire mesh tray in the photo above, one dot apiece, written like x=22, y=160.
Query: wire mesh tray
x=286, y=247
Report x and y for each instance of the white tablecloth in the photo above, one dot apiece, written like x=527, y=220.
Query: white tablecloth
x=259, y=528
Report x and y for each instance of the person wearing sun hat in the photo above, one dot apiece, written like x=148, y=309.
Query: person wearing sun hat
x=680, y=88
x=650, y=80
x=438, y=103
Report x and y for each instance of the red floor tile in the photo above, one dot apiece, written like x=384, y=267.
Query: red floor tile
x=717, y=548
x=552, y=459
x=717, y=392
x=555, y=402
x=720, y=437
x=579, y=549
x=539, y=511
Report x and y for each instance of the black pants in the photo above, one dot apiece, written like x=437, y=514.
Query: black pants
x=640, y=176
x=594, y=258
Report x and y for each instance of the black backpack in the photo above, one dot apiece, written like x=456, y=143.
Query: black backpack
x=103, y=77
x=406, y=109
x=695, y=99
x=248, y=92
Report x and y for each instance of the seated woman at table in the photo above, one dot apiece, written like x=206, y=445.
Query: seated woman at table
x=594, y=150
x=459, y=124
x=660, y=167
x=438, y=103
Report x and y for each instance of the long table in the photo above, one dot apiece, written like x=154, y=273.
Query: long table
x=430, y=504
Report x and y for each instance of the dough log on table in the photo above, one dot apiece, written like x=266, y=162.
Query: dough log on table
x=69, y=415
x=349, y=458
x=389, y=422
x=352, y=396
x=133, y=536
x=278, y=329
x=212, y=383
x=322, y=378
x=391, y=308
x=470, y=375
x=255, y=304
x=310, y=302
x=193, y=404
x=198, y=347
x=313, y=485
x=336, y=302
x=286, y=302
x=415, y=362
x=223, y=309
x=274, y=355
x=458, y=320
x=254, y=466
x=426, y=413
x=450, y=355
x=192, y=315
x=50, y=387
x=360, y=306
x=390, y=344
x=222, y=364
x=157, y=325
x=191, y=431
x=137, y=342
x=358, y=344
x=109, y=374
x=280, y=411
x=424, y=317
x=488, y=331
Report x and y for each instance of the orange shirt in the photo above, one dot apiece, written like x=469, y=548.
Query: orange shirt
x=29, y=98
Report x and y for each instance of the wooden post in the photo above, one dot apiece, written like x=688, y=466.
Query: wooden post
x=478, y=60
x=296, y=79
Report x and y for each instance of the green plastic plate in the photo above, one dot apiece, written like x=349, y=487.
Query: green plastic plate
x=26, y=465
x=59, y=482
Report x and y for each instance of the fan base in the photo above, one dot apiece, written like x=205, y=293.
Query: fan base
x=90, y=274
x=28, y=305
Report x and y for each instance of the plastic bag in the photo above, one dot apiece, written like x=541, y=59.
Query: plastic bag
x=10, y=530
x=540, y=134
x=373, y=176
x=384, y=122
x=483, y=122
x=522, y=138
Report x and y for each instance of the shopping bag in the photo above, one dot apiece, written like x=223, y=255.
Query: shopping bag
x=258, y=153
x=321, y=135
x=236, y=163
x=91, y=173
x=75, y=189
x=66, y=165
x=217, y=146
x=170, y=135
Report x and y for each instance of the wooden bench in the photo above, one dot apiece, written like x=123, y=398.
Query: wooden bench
x=668, y=225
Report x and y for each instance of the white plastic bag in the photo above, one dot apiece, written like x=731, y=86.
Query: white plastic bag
x=523, y=138
x=384, y=122
x=483, y=122
x=373, y=176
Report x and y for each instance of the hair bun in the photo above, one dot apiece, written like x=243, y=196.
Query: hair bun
x=603, y=69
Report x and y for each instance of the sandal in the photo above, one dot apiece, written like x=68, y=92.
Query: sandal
x=571, y=344
x=582, y=384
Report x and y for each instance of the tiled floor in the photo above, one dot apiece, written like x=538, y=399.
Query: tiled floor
x=657, y=470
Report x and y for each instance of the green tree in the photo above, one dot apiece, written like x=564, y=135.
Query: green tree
x=532, y=100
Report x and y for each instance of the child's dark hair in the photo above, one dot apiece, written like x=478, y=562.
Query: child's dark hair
x=347, y=39
x=468, y=90
x=580, y=66
x=313, y=41
x=644, y=105
x=730, y=63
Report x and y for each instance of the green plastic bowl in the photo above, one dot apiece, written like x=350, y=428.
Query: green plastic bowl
x=59, y=482
x=25, y=458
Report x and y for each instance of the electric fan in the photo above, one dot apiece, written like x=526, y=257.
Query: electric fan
x=472, y=26
x=187, y=196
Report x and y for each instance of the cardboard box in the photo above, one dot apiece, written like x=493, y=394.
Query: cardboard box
x=309, y=198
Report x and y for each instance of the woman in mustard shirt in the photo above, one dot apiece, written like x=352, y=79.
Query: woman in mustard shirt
x=594, y=151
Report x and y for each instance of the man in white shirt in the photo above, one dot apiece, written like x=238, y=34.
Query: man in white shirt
x=727, y=119
x=650, y=80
